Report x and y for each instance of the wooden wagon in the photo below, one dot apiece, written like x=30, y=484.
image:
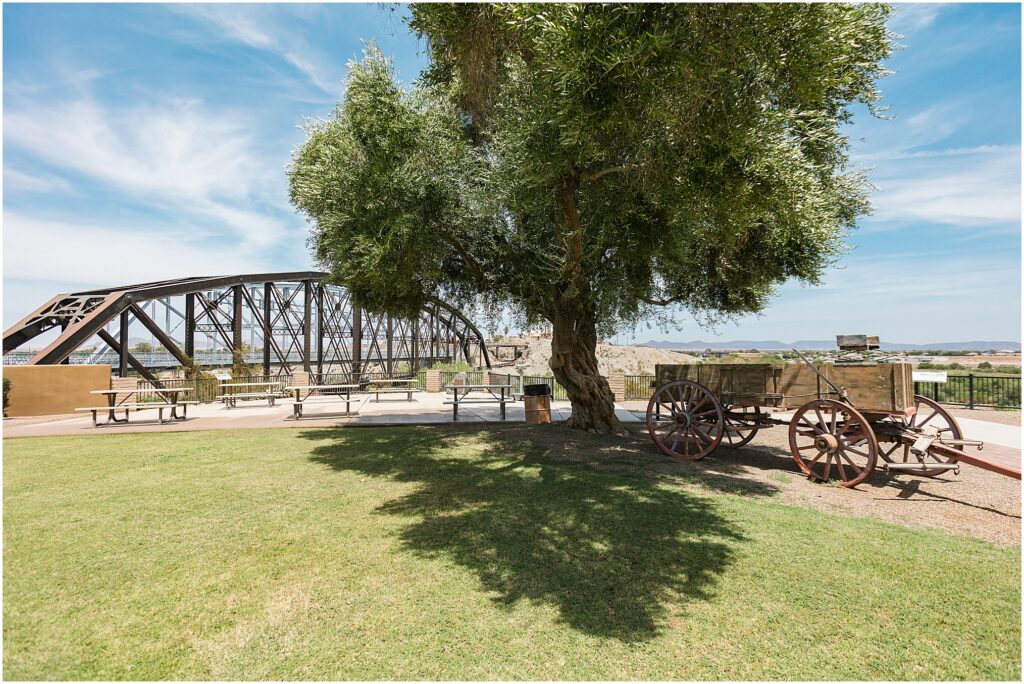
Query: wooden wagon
x=847, y=417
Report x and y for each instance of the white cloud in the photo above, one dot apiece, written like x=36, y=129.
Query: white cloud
x=34, y=182
x=894, y=295
x=257, y=26
x=103, y=255
x=959, y=187
x=172, y=154
x=913, y=17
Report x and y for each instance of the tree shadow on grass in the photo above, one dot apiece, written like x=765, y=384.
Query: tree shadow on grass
x=550, y=516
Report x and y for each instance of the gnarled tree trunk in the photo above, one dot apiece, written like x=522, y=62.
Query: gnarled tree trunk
x=574, y=363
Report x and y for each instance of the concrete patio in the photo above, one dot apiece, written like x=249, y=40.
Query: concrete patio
x=426, y=408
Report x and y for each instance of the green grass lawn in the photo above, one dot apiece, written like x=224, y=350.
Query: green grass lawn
x=438, y=552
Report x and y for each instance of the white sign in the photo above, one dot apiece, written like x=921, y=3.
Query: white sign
x=929, y=376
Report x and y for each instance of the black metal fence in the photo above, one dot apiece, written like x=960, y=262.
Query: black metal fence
x=996, y=391
x=517, y=381
x=639, y=387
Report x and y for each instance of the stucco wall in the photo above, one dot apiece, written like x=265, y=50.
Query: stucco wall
x=47, y=390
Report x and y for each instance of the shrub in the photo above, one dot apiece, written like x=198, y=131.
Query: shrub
x=7, y=390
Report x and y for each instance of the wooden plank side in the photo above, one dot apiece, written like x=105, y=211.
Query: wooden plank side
x=799, y=384
x=733, y=383
x=882, y=387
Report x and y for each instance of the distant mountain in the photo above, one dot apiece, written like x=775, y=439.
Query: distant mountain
x=827, y=345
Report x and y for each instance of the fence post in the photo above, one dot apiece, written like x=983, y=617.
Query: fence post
x=970, y=390
x=935, y=392
x=617, y=384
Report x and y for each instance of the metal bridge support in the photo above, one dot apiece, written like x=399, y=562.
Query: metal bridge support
x=415, y=346
x=341, y=328
x=122, y=366
x=236, y=320
x=190, y=325
x=307, y=311
x=390, y=365
x=357, y=342
x=320, y=328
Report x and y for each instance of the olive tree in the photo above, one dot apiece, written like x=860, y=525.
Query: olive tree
x=588, y=165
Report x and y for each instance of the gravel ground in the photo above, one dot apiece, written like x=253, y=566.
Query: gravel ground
x=991, y=415
x=975, y=503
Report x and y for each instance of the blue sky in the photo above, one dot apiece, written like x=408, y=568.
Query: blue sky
x=149, y=141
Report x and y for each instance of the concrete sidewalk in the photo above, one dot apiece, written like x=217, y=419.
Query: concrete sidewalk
x=426, y=409
x=1002, y=442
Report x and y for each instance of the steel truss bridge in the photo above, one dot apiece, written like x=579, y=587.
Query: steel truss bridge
x=286, y=321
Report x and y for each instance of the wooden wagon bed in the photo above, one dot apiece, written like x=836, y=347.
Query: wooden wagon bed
x=886, y=388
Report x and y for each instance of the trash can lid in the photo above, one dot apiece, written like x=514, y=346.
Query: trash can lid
x=541, y=390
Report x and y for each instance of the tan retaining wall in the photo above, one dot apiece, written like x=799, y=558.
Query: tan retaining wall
x=48, y=390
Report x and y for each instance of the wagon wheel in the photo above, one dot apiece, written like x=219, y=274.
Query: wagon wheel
x=831, y=439
x=739, y=430
x=929, y=414
x=685, y=420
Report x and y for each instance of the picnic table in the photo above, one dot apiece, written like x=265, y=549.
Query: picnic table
x=169, y=396
x=230, y=399
x=344, y=393
x=392, y=388
x=496, y=394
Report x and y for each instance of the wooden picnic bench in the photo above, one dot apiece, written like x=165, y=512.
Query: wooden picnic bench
x=169, y=397
x=343, y=393
x=230, y=399
x=496, y=394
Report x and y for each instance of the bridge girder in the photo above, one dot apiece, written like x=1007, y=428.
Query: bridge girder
x=291, y=312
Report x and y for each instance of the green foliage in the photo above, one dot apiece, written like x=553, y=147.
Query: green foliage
x=143, y=348
x=596, y=159
x=240, y=369
x=984, y=365
x=455, y=367
x=7, y=391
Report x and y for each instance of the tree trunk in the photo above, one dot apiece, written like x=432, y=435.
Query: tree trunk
x=574, y=363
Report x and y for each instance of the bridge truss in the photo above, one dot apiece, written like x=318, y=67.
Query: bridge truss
x=293, y=321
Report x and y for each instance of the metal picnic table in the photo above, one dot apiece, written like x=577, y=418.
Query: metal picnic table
x=392, y=382
x=309, y=389
x=230, y=399
x=170, y=396
x=497, y=395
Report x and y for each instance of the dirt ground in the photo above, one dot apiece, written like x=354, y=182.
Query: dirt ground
x=633, y=360
x=974, y=503
x=994, y=359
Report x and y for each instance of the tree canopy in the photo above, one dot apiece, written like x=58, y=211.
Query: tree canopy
x=587, y=164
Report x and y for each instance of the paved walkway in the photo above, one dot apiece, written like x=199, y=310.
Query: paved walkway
x=427, y=408
x=1002, y=442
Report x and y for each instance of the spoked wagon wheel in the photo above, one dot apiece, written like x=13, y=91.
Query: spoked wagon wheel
x=685, y=420
x=928, y=415
x=740, y=427
x=830, y=439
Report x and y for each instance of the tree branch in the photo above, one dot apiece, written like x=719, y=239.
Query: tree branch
x=661, y=302
x=611, y=169
x=470, y=262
